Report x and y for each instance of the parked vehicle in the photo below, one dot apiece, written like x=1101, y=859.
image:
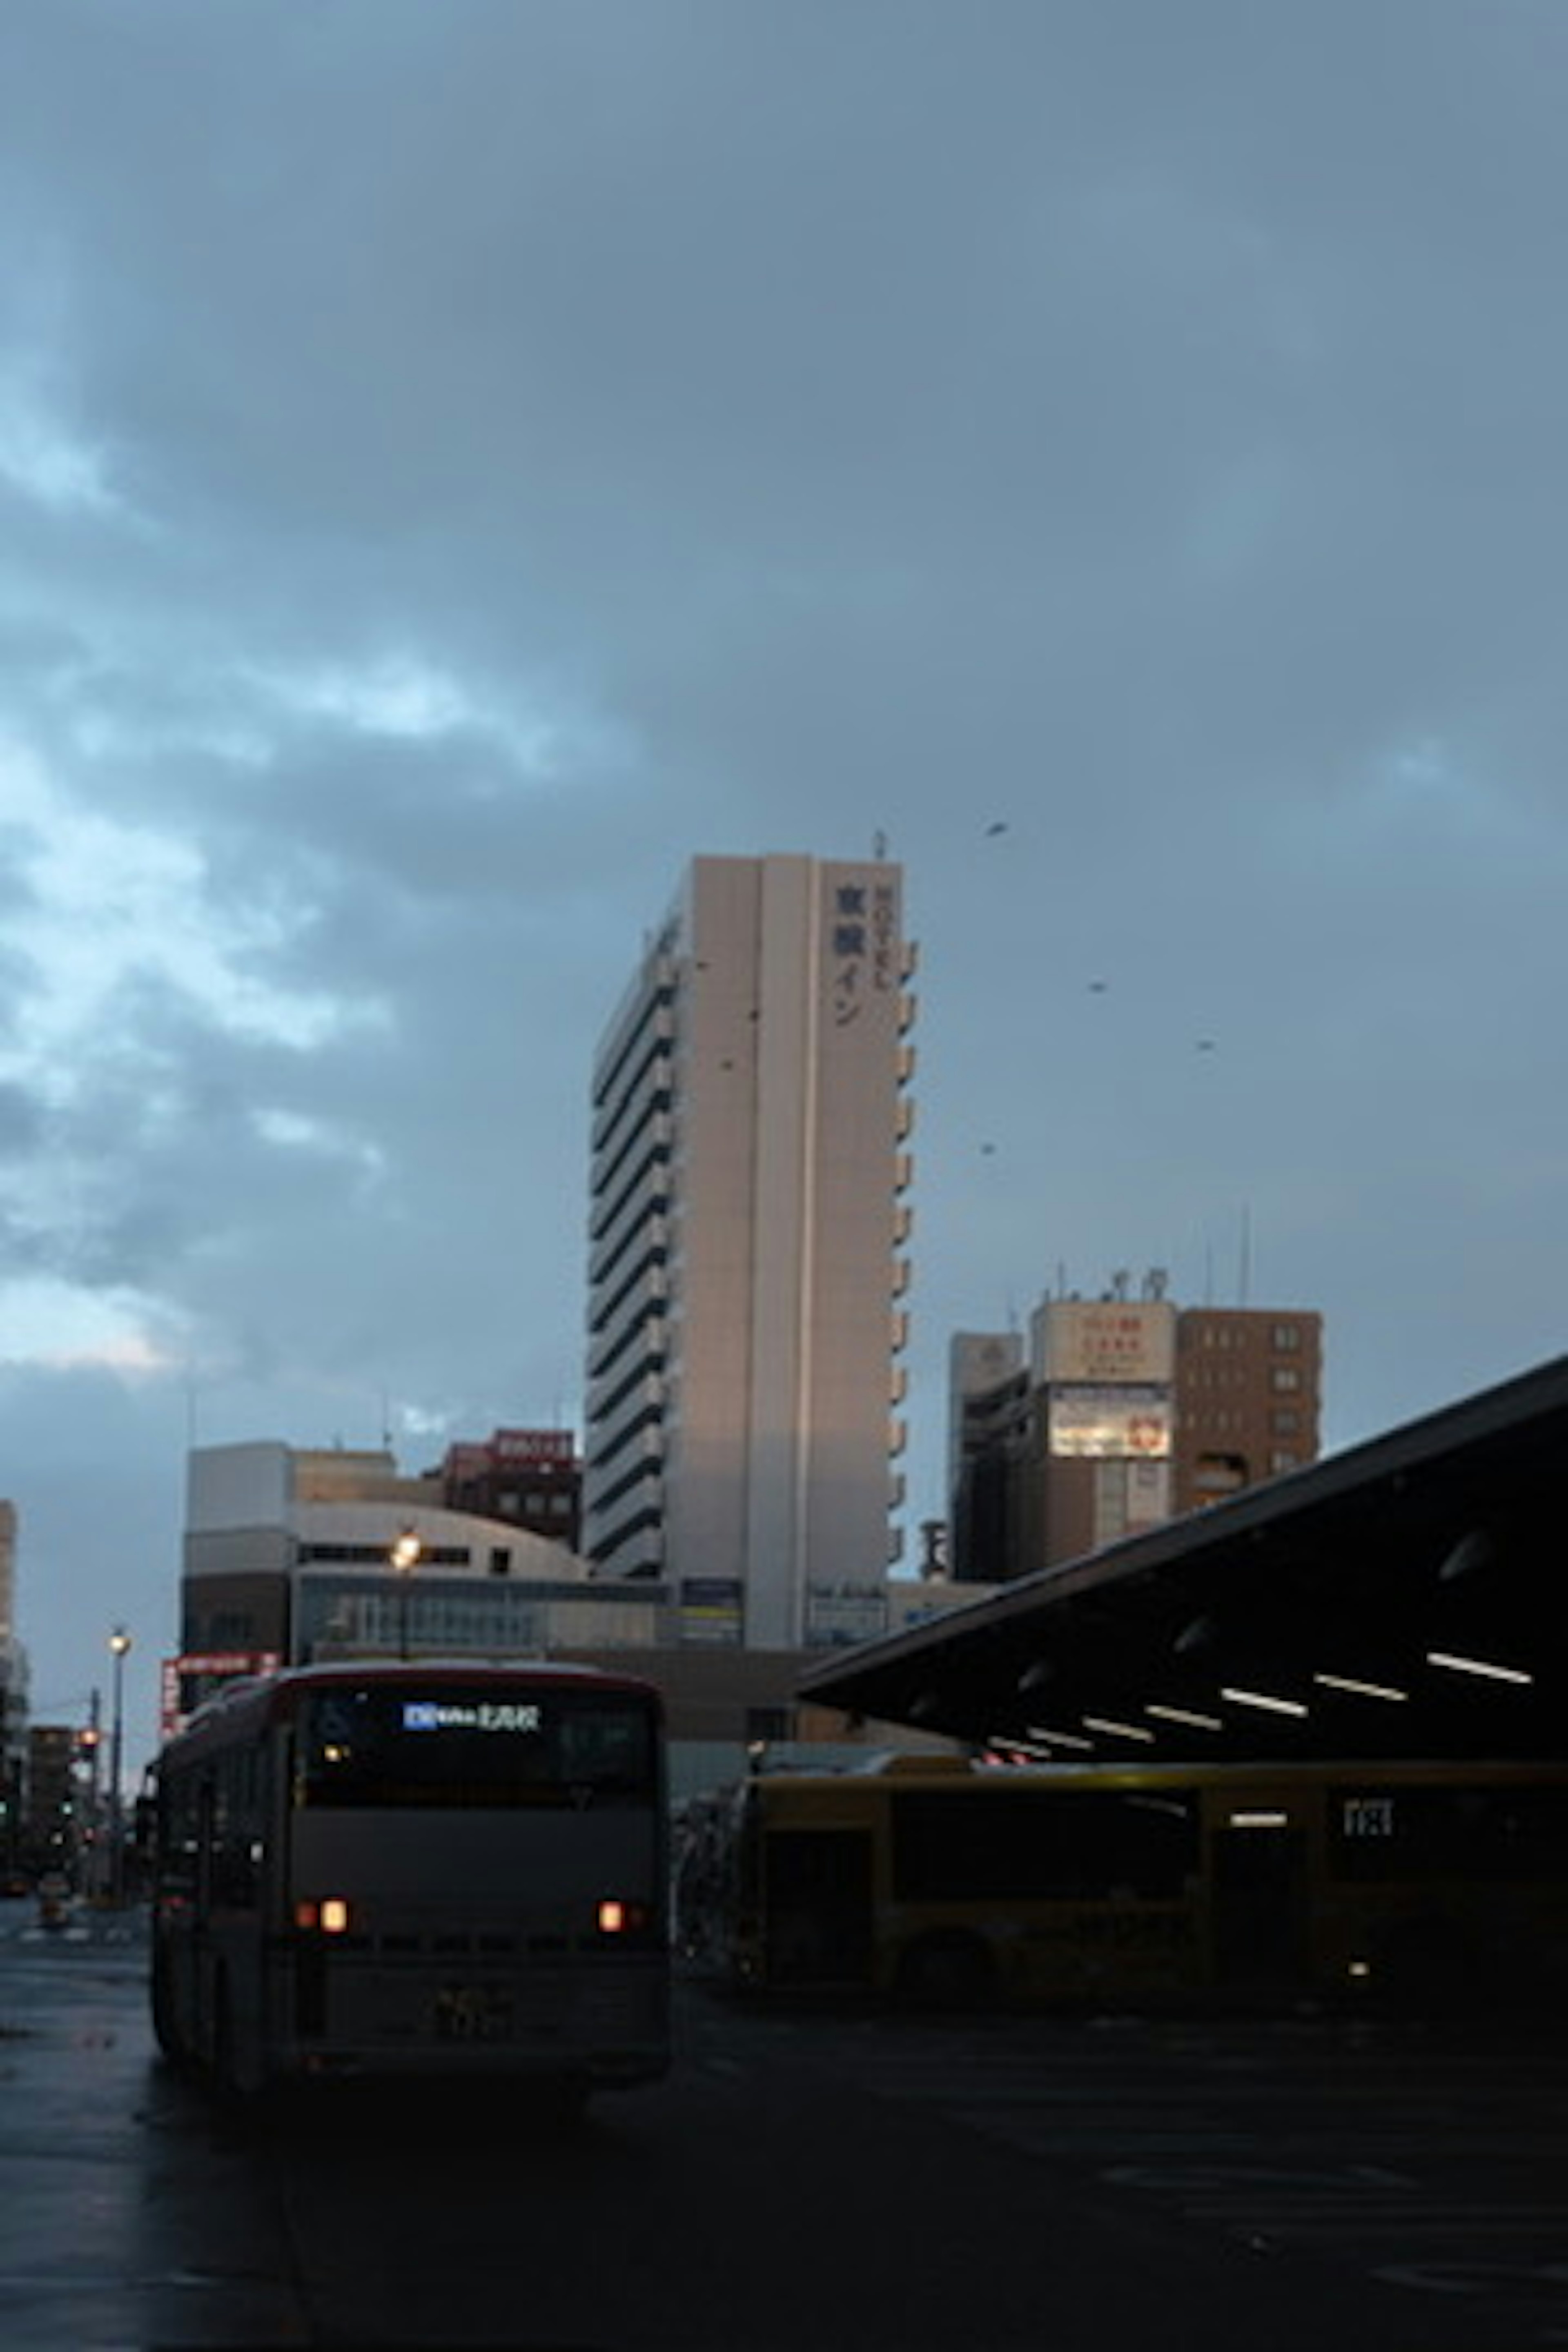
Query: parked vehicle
x=938, y=1880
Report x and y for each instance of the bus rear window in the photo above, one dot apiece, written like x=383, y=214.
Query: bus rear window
x=464, y=1745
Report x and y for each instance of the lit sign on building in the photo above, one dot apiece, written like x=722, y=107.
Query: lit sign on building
x=1126, y=1422
x=186, y=1681
x=534, y=1446
x=531, y=1449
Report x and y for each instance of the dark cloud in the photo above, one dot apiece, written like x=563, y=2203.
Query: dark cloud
x=456, y=463
x=20, y=1122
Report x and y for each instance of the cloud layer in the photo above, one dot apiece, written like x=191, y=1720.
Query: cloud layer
x=456, y=463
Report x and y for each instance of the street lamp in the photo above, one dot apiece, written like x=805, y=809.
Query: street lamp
x=118, y=1644
x=403, y=1558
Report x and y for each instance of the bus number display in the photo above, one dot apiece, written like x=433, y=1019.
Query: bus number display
x=434, y=1714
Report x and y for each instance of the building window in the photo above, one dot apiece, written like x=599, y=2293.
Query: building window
x=1285, y=1337
x=500, y=1561
x=1285, y=1423
x=1285, y=1377
x=1220, y=1473
x=1283, y=1459
x=764, y=1723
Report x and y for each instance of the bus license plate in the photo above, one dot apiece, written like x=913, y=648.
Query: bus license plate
x=472, y=2013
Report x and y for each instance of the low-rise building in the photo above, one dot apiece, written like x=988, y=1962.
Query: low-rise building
x=294, y=1554
x=290, y=1556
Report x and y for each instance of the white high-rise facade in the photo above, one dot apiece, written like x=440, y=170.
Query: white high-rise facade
x=746, y=1274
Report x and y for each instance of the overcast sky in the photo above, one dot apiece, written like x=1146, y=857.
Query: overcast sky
x=461, y=458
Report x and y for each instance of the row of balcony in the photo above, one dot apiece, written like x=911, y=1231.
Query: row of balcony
x=646, y=1012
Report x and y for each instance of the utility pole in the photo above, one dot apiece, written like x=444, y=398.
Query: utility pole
x=118, y=1644
x=93, y=1743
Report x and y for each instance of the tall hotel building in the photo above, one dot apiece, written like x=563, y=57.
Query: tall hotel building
x=745, y=1272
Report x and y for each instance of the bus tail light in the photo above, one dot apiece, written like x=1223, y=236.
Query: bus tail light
x=330, y=1917
x=619, y=1917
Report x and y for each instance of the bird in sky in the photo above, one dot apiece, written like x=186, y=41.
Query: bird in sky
x=998, y=826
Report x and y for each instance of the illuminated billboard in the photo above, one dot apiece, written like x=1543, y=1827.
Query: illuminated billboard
x=1122, y=1422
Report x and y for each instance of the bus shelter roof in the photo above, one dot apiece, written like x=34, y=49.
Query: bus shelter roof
x=1405, y=1597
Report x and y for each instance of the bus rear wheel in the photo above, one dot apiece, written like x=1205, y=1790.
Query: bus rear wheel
x=221, y=2062
x=165, y=2031
x=556, y=2104
x=1429, y=1965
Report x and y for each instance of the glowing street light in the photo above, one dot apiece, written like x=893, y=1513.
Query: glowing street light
x=403, y=1558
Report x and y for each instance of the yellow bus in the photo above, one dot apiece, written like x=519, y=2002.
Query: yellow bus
x=946, y=1882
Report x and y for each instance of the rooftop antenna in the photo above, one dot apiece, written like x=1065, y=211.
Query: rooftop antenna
x=1245, y=1269
x=878, y=844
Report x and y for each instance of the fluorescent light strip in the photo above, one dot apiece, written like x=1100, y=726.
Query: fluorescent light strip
x=1360, y=1690
x=1057, y=1739
x=1477, y=1666
x=1259, y=1821
x=1185, y=1715
x=1261, y=1698
x=1117, y=1730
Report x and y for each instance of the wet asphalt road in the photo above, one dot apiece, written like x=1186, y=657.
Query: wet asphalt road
x=821, y=2181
